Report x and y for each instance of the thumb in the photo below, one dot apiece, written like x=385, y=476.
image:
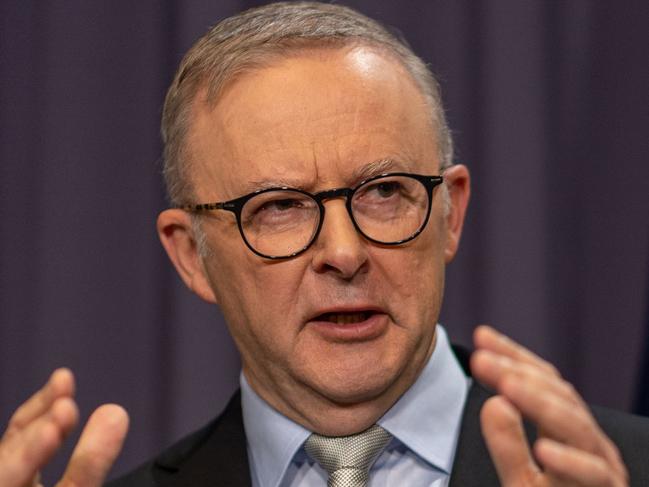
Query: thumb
x=98, y=447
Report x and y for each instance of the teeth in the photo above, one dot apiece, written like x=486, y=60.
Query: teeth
x=347, y=318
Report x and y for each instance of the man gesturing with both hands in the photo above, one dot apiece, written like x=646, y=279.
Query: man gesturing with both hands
x=316, y=201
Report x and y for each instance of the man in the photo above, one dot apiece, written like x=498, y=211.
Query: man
x=315, y=201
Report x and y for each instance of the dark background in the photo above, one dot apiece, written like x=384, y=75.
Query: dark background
x=549, y=103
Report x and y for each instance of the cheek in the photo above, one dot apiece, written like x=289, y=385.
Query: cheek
x=233, y=283
x=419, y=282
x=275, y=288
x=257, y=298
x=413, y=276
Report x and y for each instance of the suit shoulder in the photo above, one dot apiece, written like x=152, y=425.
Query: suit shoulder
x=631, y=435
x=623, y=425
x=626, y=430
x=172, y=459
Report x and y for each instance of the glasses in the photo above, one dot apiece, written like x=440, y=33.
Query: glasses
x=278, y=223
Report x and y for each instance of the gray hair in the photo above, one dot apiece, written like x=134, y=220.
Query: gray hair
x=252, y=39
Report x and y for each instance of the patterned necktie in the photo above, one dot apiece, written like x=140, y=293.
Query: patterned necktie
x=347, y=459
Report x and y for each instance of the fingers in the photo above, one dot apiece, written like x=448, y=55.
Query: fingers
x=492, y=368
x=506, y=441
x=559, y=419
x=531, y=387
x=572, y=466
x=26, y=450
x=60, y=384
x=98, y=447
x=37, y=429
x=539, y=393
x=39, y=426
x=486, y=338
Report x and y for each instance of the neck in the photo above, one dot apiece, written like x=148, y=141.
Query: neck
x=329, y=416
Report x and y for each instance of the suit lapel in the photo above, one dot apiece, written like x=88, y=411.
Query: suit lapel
x=472, y=465
x=215, y=455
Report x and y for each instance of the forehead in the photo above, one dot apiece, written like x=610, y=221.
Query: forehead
x=308, y=120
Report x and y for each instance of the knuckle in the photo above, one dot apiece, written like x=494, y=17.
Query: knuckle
x=15, y=422
x=615, y=451
x=553, y=414
x=625, y=476
x=569, y=388
x=550, y=368
x=601, y=471
x=570, y=391
x=576, y=421
x=616, y=460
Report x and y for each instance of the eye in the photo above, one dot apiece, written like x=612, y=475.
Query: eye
x=278, y=207
x=379, y=191
x=281, y=205
x=386, y=189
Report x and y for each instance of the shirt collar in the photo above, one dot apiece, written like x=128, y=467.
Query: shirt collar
x=273, y=439
x=426, y=419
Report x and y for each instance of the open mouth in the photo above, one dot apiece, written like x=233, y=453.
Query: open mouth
x=350, y=326
x=345, y=318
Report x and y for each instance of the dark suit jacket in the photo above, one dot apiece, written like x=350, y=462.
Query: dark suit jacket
x=217, y=455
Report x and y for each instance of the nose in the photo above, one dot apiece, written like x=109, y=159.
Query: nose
x=339, y=248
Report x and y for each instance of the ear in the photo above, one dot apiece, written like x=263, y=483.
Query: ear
x=458, y=182
x=177, y=236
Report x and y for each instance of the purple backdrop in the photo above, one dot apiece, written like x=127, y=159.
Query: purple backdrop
x=549, y=102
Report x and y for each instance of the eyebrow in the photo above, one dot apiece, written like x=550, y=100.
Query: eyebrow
x=260, y=185
x=361, y=173
x=375, y=168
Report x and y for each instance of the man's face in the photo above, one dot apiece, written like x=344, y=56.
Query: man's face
x=343, y=329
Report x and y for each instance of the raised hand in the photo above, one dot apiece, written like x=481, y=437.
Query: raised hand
x=571, y=448
x=39, y=426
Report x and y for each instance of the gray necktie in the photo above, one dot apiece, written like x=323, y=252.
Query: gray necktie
x=347, y=459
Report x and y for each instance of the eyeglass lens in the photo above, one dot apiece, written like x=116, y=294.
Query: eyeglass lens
x=282, y=222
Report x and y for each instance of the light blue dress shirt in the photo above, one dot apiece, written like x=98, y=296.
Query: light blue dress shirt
x=425, y=425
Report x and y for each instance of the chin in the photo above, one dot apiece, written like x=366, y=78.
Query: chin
x=351, y=387
x=352, y=406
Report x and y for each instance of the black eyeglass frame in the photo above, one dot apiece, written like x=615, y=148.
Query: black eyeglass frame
x=236, y=206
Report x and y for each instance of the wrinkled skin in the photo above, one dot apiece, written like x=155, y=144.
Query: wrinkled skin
x=320, y=120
